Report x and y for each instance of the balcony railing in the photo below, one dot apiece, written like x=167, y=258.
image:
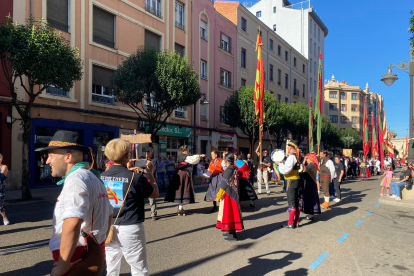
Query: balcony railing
x=103, y=99
x=204, y=77
x=203, y=33
x=180, y=25
x=225, y=47
x=227, y=85
x=179, y=114
x=296, y=92
x=57, y=92
x=154, y=10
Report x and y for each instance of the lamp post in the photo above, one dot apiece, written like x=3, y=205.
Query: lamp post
x=389, y=79
x=203, y=101
x=349, y=139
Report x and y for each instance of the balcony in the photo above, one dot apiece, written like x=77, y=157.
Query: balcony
x=179, y=114
x=103, y=99
x=154, y=10
x=180, y=25
x=57, y=92
x=225, y=47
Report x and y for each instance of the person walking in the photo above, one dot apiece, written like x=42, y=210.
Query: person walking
x=262, y=170
x=339, y=172
x=160, y=167
x=250, y=163
x=246, y=190
x=310, y=204
x=215, y=174
x=170, y=168
x=3, y=175
x=82, y=205
x=152, y=201
x=327, y=171
x=129, y=239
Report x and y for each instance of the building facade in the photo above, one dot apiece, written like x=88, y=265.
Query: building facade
x=400, y=145
x=301, y=27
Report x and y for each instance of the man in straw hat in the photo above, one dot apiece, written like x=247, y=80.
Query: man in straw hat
x=290, y=169
x=82, y=204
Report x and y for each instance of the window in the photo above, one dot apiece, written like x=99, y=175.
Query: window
x=319, y=50
x=271, y=44
x=279, y=98
x=286, y=100
x=274, y=9
x=243, y=82
x=314, y=49
x=311, y=66
x=279, y=77
x=294, y=61
x=271, y=72
x=100, y=85
x=286, y=55
x=279, y=49
x=343, y=96
x=151, y=103
x=355, y=120
x=225, y=43
x=303, y=91
x=314, y=84
x=354, y=96
x=344, y=120
x=303, y=68
x=274, y=27
x=58, y=14
x=244, y=24
x=179, y=15
x=333, y=95
x=310, y=46
x=310, y=28
x=203, y=69
x=153, y=40
x=319, y=34
x=103, y=27
x=259, y=14
x=343, y=107
x=311, y=85
x=333, y=118
x=154, y=7
x=333, y=106
x=223, y=117
x=314, y=29
x=286, y=81
x=243, y=58
x=52, y=90
x=203, y=30
x=354, y=107
x=295, y=91
x=225, y=78
x=314, y=68
x=179, y=112
x=203, y=112
x=180, y=49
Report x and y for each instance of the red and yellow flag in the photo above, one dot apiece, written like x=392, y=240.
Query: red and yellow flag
x=259, y=85
x=365, y=143
x=374, y=145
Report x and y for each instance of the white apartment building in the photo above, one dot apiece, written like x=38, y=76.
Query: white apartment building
x=301, y=27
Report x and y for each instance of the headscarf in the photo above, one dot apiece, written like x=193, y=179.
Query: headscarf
x=312, y=157
x=293, y=145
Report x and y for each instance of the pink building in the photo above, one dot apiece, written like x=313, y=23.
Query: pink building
x=215, y=61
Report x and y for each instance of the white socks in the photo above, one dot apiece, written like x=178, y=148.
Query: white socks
x=326, y=199
x=180, y=207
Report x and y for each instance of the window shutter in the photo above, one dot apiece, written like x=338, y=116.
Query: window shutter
x=203, y=112
x=180, y=49
x=203, y=25
x=58, y=14
x=152, y=40
x=101, y=76
x=229, y=84
x=103, y=27
x=229, y=44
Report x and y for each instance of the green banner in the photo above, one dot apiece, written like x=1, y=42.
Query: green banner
x=172, y=131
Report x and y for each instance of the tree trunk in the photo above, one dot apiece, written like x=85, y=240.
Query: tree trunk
x=26, y=194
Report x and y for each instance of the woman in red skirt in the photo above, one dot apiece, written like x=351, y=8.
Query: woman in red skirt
x=229, y=219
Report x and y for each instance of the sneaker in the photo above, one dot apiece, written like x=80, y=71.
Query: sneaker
x=268, y=193
x=6, y=221
x=154, y=218
x=393, y=196
x=336, y=200
x=331, y=197
x=397, y=198
x=381, y=194
x=388, y=195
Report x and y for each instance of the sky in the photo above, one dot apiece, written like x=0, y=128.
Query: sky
x=365, y=37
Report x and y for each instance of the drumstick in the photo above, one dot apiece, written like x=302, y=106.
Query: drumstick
x=287, y=149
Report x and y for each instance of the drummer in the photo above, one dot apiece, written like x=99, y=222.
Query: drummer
x=263, y=170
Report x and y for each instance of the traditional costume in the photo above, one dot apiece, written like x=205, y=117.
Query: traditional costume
x=364, y=172
x=181, y=188
x=229, y=219
x=246, y=189
x=290, y=169
x=326, y=175
x=215, y=171
x=310, y=200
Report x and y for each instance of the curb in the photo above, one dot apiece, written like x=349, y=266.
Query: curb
x=399, y=203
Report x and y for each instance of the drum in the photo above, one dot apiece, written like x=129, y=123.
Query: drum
x=278, y=155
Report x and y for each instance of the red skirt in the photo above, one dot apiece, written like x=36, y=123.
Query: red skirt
x=229, y=218
x=368, y=173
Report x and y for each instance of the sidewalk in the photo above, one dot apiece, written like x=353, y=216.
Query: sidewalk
x=399, y=203
x=39, y=195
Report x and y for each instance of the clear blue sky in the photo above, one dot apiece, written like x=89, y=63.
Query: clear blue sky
x=365, y=36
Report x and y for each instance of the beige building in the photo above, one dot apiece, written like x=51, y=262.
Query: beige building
x=400, y=145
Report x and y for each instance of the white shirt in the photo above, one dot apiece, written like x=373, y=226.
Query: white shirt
x=330, y=165
x=194, y=159
x=83, y=196
x=378, y=163
x=288, y=165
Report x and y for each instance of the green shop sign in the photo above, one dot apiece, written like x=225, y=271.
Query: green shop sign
x=172, y=131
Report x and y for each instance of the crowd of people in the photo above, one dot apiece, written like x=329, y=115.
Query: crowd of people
x=89, y=236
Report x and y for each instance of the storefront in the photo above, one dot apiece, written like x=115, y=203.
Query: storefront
x=93, y=136
x=171, y=138
x=222, y=141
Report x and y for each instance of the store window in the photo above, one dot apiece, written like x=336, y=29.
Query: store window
x=174, y=144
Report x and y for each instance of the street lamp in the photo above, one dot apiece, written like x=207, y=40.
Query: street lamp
x=390, y=78
x=203, y=101
x=349, y=139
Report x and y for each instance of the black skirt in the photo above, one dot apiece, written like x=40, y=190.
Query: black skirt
x=246, y=190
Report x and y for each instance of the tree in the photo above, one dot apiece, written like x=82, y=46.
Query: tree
x=33, y=55
x=330, y=134
x=393, y=134
x=297, y=119
x=155, y=84
x=411, y=28
x=356, y=144
x=277, y=122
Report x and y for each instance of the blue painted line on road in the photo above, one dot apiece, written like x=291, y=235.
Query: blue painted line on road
x=359, y=223
x=344, y=236
x=369, y=213
x=318, y=261
x=377, y=205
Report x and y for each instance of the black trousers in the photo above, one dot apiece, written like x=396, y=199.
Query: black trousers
x=293, y=192
x=337, y=186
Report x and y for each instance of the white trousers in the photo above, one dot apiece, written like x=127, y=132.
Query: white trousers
x=265, y=175
x=128, y=241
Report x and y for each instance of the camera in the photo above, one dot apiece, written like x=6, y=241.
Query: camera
x=141, y=163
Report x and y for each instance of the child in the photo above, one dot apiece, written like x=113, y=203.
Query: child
x=387, y=180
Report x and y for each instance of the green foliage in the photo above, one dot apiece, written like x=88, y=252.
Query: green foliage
x=393, y=133
x=357, y=142
x=297, y=120
x=165, y=80
x=411, y=28
x=330, y=134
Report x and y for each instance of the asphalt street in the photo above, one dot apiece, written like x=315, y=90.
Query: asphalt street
x=354, y=237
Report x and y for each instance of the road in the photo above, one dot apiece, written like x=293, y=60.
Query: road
x=380, y=245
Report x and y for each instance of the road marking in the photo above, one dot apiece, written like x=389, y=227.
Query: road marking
x=369, y=213
x=24, y=246
x=318, y=261
x=359, y=223
x=344, y=236
x=377, y=205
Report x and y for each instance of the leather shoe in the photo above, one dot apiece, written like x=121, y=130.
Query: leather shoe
x=288, y=226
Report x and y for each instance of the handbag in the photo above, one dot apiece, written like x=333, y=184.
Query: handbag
x=111, y=230
x=409, y=184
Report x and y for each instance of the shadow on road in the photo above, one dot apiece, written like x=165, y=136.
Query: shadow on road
x=36, y=270
x=22, y=244
x=16, y=230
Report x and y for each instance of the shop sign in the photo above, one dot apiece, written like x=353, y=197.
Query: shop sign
x=173, y=131
x=162, y=139
x=222, y=141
